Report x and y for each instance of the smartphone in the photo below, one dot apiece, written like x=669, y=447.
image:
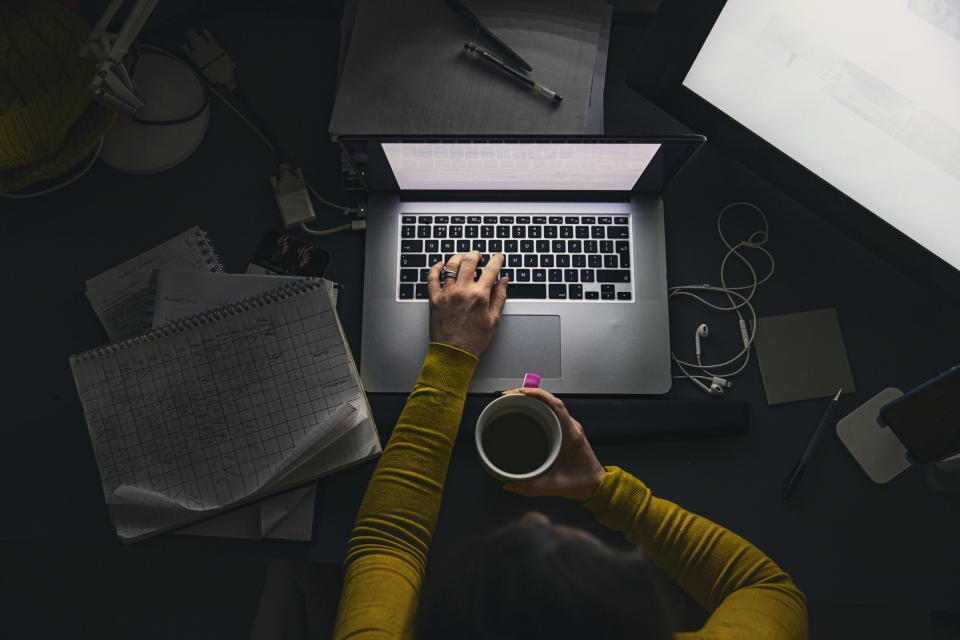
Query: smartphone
x=927, y=419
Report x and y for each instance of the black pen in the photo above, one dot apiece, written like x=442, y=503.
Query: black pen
x=469, y=15
x=490, y=58
x=817, y=434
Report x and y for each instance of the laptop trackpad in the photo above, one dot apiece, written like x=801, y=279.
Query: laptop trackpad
x=523, y=344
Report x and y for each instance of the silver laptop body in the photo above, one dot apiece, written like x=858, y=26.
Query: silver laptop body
x=615, y=343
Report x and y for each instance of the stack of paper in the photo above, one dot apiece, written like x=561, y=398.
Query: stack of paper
x=180, y=279
x=180, y=294
x=406, y=71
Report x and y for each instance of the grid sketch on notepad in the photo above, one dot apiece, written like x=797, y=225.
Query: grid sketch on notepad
x=206, y=411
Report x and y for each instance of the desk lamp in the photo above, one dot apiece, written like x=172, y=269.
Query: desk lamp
x=164, y=103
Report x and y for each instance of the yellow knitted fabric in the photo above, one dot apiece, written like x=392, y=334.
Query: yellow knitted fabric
x=49, y=120
x=748, y=596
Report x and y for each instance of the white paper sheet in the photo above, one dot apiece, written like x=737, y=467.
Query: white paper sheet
x=180, y=293
x=208, y=416
x=406, y=71
x=121, y=296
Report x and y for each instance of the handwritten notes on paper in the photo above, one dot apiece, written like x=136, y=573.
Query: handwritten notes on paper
x=210, y=410
x=121, y=296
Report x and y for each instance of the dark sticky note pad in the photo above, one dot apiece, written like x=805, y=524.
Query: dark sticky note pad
x=802, y=356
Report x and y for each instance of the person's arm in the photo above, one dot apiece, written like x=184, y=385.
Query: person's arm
x=387, y=553
x=748, y=595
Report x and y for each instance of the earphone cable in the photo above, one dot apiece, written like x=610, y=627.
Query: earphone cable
x=755, y=240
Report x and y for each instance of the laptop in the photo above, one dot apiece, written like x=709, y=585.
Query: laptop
x=580, y=221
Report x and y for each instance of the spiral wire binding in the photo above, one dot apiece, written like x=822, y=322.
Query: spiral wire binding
x=212, y=258
x=151, y=298
x=201, y=319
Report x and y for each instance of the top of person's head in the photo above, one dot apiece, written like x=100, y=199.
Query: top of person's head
x=530, y=579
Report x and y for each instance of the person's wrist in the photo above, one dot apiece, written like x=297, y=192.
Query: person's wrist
x=460, y=345
x=594, y=482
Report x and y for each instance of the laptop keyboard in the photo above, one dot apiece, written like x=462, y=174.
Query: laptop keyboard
x=568, y=257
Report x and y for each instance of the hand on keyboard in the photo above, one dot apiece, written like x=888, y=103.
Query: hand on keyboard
x=465, y=313
x=571, y=258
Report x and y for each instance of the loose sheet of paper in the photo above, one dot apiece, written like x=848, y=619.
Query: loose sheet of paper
x=594, y=122
x=427, y=84
x=206, y=417
x=288, y=516
x=121, y=296
x=181, y=293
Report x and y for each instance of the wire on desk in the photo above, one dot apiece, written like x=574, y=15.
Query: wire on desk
x=259, y=128
x=356, y=225
x=226, y=79
x=325, y=232
x=756, y=240
x=57, y=187
x=203, y=83
x=270, y=145
x=316, y=194
x=275, y=148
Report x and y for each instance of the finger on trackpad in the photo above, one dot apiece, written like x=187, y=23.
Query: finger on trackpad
x=523, y=343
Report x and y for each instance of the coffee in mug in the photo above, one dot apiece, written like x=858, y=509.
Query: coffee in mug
x=517, y=437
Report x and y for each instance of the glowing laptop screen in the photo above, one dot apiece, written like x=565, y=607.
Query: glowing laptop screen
x=547, y=166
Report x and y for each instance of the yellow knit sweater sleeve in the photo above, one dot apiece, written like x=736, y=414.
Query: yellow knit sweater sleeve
x=747, y=594
x=387, y=553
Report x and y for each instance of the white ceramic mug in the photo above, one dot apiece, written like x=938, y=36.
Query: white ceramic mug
x=518, y=437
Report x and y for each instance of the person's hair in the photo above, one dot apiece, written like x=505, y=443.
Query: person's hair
x=527, y=580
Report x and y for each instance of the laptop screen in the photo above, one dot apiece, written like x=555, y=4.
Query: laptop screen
x=523, y=166
x=516, y=164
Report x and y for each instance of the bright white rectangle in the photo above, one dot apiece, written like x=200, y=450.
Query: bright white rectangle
x=864, y=93
x=519, y=166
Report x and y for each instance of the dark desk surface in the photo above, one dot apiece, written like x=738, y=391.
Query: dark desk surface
x=868, y=556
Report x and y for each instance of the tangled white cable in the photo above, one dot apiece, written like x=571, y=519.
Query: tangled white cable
x=707, y=374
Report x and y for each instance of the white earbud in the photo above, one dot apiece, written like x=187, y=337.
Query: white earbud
x=717, y=385
x=714, y=389
x=702, y=332
x=698, y=370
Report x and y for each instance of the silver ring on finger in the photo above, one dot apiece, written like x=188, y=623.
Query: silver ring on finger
x=448, y=273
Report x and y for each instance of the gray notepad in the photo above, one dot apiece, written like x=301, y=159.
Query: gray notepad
x=222, y=408
x=802, y=356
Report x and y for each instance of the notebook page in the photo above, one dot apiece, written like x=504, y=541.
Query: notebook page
x=288, y=516
x=205, y=417
x=181, y=293
x=121, y=296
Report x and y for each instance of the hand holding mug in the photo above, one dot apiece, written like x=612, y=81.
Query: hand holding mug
x=577, y=472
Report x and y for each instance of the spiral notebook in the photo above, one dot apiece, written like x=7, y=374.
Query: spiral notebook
x=121, y=296
x=213, y=411
x=179, y=294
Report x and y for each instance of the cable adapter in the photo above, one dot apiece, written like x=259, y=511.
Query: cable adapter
x=292, y=197
x=210, y=58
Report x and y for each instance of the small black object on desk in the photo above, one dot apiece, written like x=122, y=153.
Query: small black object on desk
x=798, y=470
x=488, y=57
x=653, y=419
